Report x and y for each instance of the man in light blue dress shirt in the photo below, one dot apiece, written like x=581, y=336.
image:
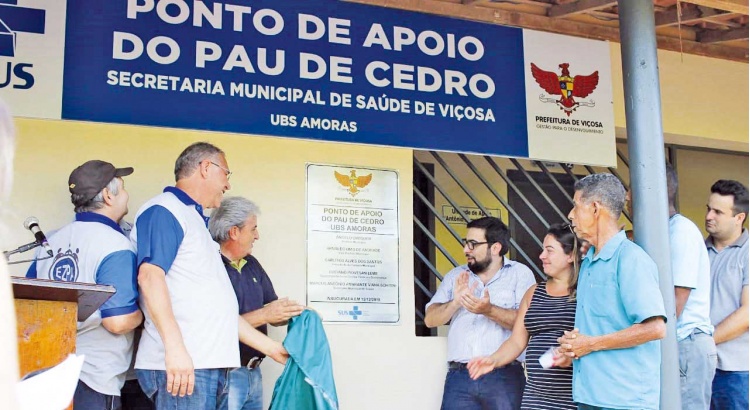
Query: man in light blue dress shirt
x=620, y=312
x=481, y=300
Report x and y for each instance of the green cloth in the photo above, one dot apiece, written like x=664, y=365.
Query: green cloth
x=307, y=381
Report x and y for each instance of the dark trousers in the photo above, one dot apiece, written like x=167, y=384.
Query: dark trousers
x=501, y=389
x=133, y=397
x=87, y=398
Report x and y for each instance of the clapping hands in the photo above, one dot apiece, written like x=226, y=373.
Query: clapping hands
x=463, y=293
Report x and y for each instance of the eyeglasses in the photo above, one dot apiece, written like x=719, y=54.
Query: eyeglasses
x=471, y=244
x=576, y=256
x=226, y=171
x=575, y=237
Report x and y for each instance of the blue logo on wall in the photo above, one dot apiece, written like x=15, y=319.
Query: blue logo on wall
x=15, y=19
x=65, y=266
x=354, y=313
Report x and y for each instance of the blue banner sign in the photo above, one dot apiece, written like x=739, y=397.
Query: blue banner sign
x=323, y=69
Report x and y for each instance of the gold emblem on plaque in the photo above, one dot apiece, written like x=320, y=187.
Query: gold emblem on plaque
x=353, y=182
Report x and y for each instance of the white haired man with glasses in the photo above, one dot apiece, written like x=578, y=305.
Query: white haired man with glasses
x=481, y=300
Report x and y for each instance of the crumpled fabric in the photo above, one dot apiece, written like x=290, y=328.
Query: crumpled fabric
x=307, y=380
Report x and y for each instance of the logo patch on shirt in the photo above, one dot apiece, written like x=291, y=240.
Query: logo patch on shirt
x=65, y=266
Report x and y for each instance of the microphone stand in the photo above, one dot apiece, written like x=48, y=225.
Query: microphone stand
x=23, y=248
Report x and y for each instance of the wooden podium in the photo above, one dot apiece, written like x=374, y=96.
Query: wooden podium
x=46, y=316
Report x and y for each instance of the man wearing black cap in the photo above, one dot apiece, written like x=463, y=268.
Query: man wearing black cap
x=93, y=249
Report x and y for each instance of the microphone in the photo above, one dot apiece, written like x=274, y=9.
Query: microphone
x=32, y=224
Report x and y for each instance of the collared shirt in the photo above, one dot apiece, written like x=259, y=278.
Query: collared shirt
x=93, y=249
x=187, y=200
x=254, y=289
x=729, y=268
x=618, y=288
x=116, y=269
x=690, y=269
x=170, y=232
x=471, y=335
x=236, y=265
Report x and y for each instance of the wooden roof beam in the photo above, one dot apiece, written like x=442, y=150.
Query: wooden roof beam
x=722, y=20
x=734, y=6
x=690, y=14
x=720, y=36
x=560, y=26
x=578, y=7
x=536, y=3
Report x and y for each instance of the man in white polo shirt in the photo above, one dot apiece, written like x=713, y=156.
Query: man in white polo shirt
x=189, y=342
x=93, y=249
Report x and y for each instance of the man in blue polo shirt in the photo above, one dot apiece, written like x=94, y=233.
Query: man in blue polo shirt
x=234, y=225
x=189, y=341
x=93, y=249
x=620, y=311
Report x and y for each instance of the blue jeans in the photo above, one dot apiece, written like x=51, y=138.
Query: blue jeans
x=729, y=391
x=501, y=389
x=210, y=390
x=245, y=389
x=87, y=398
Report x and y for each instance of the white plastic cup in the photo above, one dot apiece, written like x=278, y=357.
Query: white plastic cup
x=547, y=360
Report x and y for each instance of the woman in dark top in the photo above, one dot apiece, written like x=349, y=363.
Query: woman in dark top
x=547, y=309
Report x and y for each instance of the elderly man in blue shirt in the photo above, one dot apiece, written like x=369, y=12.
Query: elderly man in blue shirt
x=620, y=312
x=481, y=301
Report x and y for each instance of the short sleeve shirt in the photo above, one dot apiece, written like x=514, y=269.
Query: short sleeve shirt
x=690, y=269
x=618, y=288
x=471, y=335
x=170, y=232
x=93, y=249
x=254, y=289
x=729, y=269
